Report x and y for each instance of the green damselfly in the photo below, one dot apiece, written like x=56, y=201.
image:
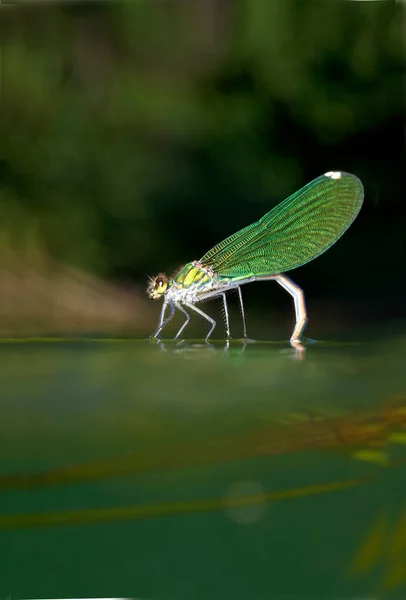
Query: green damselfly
x=292, y=234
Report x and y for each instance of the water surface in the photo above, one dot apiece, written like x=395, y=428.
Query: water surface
x=194, y=471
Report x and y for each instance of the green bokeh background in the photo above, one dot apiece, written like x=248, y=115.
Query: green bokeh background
x=136, y=135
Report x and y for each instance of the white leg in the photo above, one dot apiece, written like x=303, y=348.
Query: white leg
x=162, y=322
x=202, y=314
x=300, y=307
x=187, y=315
x=231, y=287
x=242, y=311
x=226, y=317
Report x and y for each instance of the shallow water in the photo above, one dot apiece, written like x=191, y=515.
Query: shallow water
x=194, y=471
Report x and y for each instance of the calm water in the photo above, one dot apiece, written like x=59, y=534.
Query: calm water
x=182, y=472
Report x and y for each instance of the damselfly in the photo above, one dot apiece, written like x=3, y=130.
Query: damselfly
x=292, y=234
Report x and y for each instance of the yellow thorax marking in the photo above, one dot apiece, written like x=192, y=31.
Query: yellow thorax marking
x=193, y=275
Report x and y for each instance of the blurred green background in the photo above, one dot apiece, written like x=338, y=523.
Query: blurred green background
x=136, y=135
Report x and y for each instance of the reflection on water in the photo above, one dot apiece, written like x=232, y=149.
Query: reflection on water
x=192, y=470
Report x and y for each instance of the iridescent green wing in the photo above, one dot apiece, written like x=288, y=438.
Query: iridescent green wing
x=293, y=233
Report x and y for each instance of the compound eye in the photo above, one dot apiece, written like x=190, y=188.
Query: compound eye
x=161, y=284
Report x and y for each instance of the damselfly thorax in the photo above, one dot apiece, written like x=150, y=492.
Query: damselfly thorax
x=193, y=280
x=292, y=234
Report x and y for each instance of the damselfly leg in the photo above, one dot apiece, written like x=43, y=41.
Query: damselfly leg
x=187, y=315
x=242, y=312
x=203, y=314
x=226, y=318
x=300, y=306
x=162, y=321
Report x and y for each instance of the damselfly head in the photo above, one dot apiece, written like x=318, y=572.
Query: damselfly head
x=157, y=286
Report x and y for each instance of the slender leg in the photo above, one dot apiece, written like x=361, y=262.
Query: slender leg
x=202, y=314
x=300, y=307
x=226, y=317
x=187, y=315
x=242, y=311
x=162, y=321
